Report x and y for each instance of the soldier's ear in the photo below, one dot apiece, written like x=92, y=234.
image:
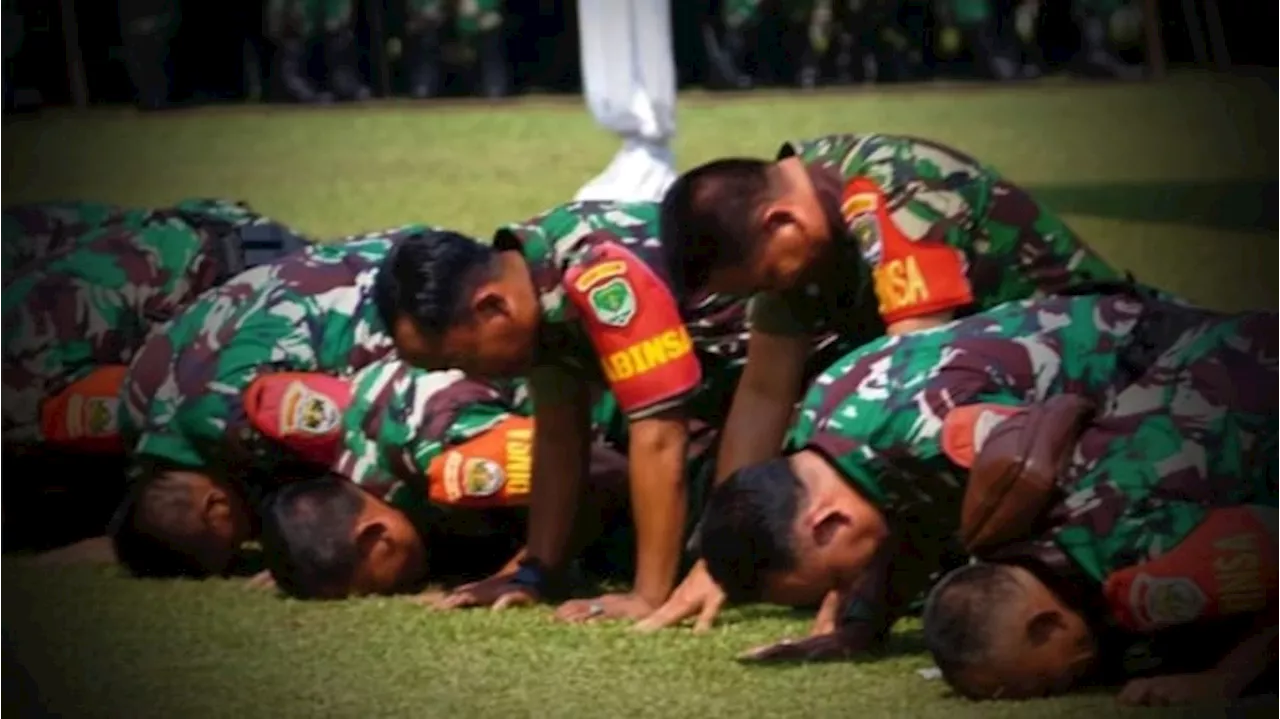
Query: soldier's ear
x=826, y=522
x=1043, y=625
x=488, y=302
x=369, y=536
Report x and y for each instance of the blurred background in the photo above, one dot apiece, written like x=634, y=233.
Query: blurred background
x=168, y=53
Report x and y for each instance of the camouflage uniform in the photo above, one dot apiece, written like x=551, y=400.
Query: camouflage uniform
x=40, y=231
x=878, y=413
x=310, y=312
x=291, y=25
x=804, y=24
x=1097, y=55
x=567, y=237
x=89, y=280
x=470, y=18
x=1193, y=434
x=478, y=23
x=927, y=229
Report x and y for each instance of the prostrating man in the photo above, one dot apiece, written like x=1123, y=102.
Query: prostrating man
x=577, y=300
x=868, y=501
x=1143, y=552
x=433, y=482
x=215, y=414
x=857, y=235
x=84, y=282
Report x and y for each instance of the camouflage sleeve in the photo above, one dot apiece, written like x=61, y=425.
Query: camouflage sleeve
x=877, y=415
x=39, y=232
x=453, y=440
x=186, y=388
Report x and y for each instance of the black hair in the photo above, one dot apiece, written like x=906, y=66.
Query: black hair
x=147, y=531
x=748, y=528
x=963, y=617
x=710, y=220
x=430, y=276
x=308, y=536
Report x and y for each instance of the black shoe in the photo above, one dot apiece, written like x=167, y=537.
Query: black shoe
x=289, y=75
x=423, y=64
x=495, y=75
x=340, y=60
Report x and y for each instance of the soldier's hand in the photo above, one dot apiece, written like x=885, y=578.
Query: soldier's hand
x=1177, y=689
x=498, y=592
x=697, y=595
x=97, y=550
x=833, y=646
x=262, y=581
x=828, y=614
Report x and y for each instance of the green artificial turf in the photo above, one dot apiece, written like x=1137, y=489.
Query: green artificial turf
x=1175, y=182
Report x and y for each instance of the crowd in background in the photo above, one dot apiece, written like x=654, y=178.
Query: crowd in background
x=164, y=52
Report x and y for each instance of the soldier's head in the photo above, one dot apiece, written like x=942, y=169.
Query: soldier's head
x=996, y=631
x=327, y=538
x=738, y=226
x=451, y=302
x=180, y=522
x=788, y=531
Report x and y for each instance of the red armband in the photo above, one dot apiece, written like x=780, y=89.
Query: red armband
x=86, y=415
x=1226, y=566
x=635, y=326
x=913, y=278
x=494, y=469
x=301, y=410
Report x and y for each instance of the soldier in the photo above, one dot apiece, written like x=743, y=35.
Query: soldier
x=83, y=284
x=575, y=299
x=1155, y=562
x=804, y=29
x=978, y=23
x=478, y=23
x=215, y=413
x=291, y=26
x=877, y=40
x=441, y=466
x=1096, y=57
x=147, y=28
x=856, y=235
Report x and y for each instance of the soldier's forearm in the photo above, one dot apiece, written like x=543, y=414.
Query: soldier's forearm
x=753, y=432
x=1248, y=660
x=658, y=446
x=559, y=461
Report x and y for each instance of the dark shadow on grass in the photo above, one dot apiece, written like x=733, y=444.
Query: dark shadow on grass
x=1231, y=205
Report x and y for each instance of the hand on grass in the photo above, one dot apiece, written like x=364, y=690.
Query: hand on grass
x=97, y=550
x=1177, y=689
x=609, y=606
x=262, y=581
x=698, y=595
x=498, y=592
x=845, y=643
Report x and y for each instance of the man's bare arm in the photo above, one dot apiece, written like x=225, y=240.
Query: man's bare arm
x=763, y=402
x=561, y=402
x=658, y=444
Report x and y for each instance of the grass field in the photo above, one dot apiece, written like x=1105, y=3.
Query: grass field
x=1175, y=182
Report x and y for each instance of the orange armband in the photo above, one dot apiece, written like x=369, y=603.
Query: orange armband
x=301, y=410
x=86, y=415
x=914, y=277
x=633, y=320
x=493, y=469
x=1226, y=566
